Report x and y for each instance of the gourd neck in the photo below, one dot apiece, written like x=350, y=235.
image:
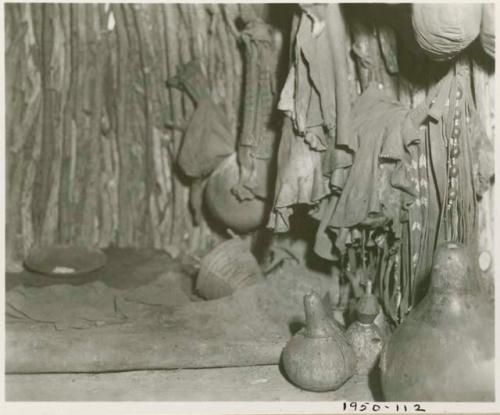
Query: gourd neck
x=318, y=324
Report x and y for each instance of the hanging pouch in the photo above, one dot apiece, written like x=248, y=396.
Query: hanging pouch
x=207, y=138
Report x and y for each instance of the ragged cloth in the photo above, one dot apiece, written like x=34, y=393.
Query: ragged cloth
x=316, y=146
x=371, y=195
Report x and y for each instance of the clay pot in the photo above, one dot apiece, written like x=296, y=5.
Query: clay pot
x=241, y=216
x=444, y=350
x=226, y=268
x=318, y=358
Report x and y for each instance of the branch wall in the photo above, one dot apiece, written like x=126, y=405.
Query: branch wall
x=93, y=133
x=91, y=160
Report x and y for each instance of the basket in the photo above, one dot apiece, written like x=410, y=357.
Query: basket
x=226, y=268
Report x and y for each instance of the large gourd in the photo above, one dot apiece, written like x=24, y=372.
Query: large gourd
x=444, y=350
x=319, y=357
x=444, y=30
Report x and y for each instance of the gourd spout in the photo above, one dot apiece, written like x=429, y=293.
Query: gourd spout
x=317, y=322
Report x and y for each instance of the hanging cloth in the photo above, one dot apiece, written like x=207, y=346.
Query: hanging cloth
x=369, y=197
x=375, y=117
x=316, y=146
x=451, y=165
x=299, y=178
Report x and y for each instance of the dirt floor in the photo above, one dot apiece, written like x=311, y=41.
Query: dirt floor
x=136, y=330
x=259, y=383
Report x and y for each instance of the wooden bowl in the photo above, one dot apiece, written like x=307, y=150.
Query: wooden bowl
x=64, y=260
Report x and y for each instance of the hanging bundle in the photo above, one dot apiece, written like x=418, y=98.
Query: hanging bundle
x=236, y=191
x=256, y=143
x=444, y=30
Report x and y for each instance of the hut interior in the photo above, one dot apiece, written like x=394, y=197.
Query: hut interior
x=248, y=202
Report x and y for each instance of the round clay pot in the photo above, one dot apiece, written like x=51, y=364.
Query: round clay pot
x=239, y=215
x=318, y=358
x=444, y=350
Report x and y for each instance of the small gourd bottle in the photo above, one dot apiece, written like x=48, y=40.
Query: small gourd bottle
x=364, y=335
x=319, y=357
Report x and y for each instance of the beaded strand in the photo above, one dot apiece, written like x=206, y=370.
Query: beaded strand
x=454, y=150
